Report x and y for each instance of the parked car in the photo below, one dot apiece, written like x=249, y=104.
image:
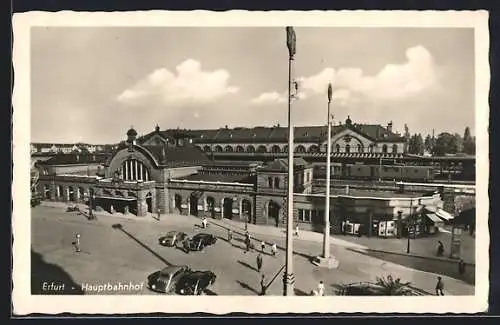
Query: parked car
x=195, y=283
x=165, y=280
x=199, y=241
x=172, y=238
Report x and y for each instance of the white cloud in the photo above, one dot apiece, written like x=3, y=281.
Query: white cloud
x=392, y=82
x=271, y=97
x=190, y=84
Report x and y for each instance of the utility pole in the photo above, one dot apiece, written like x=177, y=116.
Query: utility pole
x=288, y=277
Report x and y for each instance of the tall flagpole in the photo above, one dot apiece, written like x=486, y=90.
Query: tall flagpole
x=288, y=277
x=326, y=237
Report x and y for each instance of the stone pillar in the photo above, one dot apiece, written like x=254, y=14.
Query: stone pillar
x=370, y=223
x=140, y=172
x=136, y=166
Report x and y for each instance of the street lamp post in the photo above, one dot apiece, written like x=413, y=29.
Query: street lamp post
x=410, y=223
x=288, y=277
x=326, y=237
x=325, y=260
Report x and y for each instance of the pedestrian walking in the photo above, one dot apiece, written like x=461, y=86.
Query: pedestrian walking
x=247, y=244
x=77, y=243
x=259, y=262
x=263, y=246
x=439, y=287
x=274, y=249
x=297, y=230
x=461, y=267
x=440, y=249
x=229, y=235
x=263, y=286
x=321, y=288
x=158, y=214
x=204, y=222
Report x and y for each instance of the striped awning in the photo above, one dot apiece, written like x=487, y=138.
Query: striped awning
x=444, y=215
x=433, y=217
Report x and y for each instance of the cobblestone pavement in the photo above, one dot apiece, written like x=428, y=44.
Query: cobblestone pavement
x=128, y=255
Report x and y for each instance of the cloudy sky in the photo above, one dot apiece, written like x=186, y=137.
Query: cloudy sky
x=91, y=84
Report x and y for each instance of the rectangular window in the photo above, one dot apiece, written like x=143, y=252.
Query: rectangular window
x=270, y=181
x=307, y=216
x=301, y=215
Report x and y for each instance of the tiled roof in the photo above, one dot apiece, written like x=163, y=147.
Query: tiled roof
x=277, y=134
x=282, y=164
x=221, y=178
x=73, y=158
x=187, y=155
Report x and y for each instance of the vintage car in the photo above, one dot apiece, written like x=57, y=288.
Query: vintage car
x=199, y=241
x=166, y=279
x=195, y=282
x=172, y=238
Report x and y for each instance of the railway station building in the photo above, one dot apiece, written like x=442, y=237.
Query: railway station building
x=173, y=175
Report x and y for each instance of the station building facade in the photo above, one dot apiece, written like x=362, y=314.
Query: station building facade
x=175, y=176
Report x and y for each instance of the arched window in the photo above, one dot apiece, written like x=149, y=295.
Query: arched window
x=250, y=148
x=218, y=148
x=207, y=149
x=313, y=148
x=275, y=149
x=262, y=149
x=371, y=148
x=270, y=181
x=134, y=170
x=240, y=149
x=300, y=149
x=337, y=147
x=347, y=148
x=285, y=148
x=384, y=148
x=360, y=148
x=228, y=149
x=394, y=148
x=277, y=182
x=46, y=192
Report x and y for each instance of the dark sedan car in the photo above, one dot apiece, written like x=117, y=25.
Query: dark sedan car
x=195, y=283
x=199, y=241
x=172, y=238
x=165, y=280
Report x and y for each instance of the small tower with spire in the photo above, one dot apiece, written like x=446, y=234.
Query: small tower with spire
x=157, y=128
x=131, y=136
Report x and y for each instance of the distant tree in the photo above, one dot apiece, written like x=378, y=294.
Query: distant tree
x=429, y=143
x=446, y=143
x=416, y=144
x=469, y=143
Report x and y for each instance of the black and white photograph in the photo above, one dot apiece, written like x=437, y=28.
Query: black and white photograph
x=250, y=157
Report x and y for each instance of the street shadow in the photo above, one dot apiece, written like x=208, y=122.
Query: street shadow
x=246, y=286
x=248, y=265
x=299, y=292
x=209, y=292
x=51, y=279
x=431, y=265
x=119, y=227
x=338, y=288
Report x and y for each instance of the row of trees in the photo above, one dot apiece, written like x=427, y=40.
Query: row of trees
x=444, y=143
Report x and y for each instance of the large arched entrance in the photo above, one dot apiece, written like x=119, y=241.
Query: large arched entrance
x=227, y=208
x=273, y=212
x=177, y=202
x=211, y=206
x=193, y=204
x=246, y=210
x=149, y=202
x=71, y=194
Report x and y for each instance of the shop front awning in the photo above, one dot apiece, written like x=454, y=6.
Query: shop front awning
x=433, y=217
x=444, y=215
x=116, y=198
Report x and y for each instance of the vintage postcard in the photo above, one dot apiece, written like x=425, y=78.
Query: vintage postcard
x=258, y=162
